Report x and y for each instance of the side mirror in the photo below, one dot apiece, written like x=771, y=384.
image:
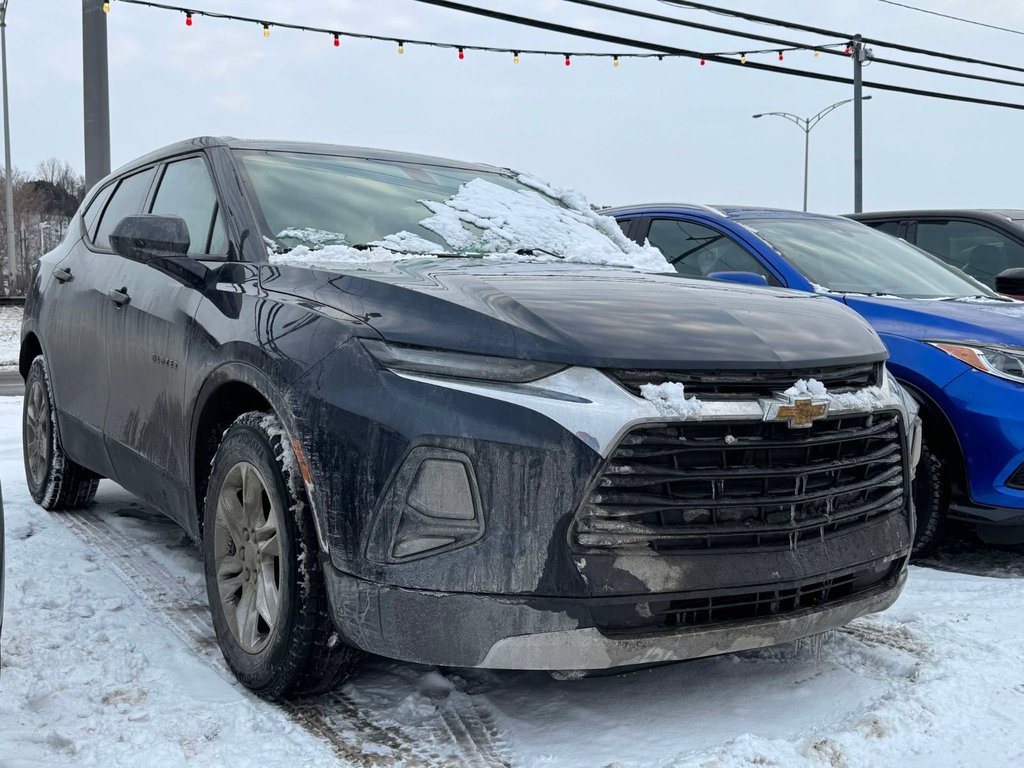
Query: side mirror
x=1011, y=283
x=161, y=242
x=747, y=278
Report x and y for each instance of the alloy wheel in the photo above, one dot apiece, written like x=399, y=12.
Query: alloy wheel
x=247, y=552
x=37, y=432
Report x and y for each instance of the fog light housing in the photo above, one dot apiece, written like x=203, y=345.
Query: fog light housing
x=1016, y=480
x=432, y=506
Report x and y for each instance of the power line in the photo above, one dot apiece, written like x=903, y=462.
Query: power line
x=401, y=43
x=737, y=33
x=666, y=49
x=954, y=18
x=821, y=31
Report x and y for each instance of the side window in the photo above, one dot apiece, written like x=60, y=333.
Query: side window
x=889, y=227
x=127, y=199
x=186, y=190
x=92, y=214
x=697, y=251
x=624, y=225
x=980, y=251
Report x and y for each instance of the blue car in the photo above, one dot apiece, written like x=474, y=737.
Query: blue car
x=955, y=344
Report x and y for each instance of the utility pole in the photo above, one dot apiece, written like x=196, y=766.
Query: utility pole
x=96, y=91
x=9, y=171
x=859, y=56
x=806, y=124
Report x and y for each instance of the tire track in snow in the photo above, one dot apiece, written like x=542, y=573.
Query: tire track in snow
x=463, y=732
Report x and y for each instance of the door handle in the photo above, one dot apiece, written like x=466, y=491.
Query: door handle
x=119, y=297
x=63, y=276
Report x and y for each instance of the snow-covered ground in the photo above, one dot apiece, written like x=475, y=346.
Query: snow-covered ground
x=10, y=334
x=109, y=660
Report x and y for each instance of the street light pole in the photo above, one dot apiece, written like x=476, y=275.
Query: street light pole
x=807, y=124
x=9, y=171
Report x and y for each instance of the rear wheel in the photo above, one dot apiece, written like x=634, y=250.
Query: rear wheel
x=931, y=502
x=54, y=480
x=263, y=576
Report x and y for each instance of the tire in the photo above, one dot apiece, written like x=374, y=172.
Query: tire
x=268, y=600
x=54, y=480
x=931, y=502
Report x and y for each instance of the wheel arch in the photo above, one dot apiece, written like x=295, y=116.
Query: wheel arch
x=227, y=393
x=31, y=348
x=941, y=436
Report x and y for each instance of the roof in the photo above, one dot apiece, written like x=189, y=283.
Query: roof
x=724, y=211
x=229, y=142
x=1003, y=214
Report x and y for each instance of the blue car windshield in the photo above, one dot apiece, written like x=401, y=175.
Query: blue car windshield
x=848, y=257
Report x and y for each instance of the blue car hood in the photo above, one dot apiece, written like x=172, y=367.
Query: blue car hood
x=996, y=322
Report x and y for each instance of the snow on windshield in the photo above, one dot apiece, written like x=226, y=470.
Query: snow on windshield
x=497, y=223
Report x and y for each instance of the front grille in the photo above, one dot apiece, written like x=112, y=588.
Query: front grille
x=744, y=484
x=739, y=605
x=750, y=385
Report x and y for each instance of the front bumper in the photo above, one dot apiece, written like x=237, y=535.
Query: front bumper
x=988, y=416
x=500, y=632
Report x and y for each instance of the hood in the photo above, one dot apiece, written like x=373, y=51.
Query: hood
x=582, y=315
x=990, y=322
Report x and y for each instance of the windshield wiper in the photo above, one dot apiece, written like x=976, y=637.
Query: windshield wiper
x=536, y=252
x=977, y=296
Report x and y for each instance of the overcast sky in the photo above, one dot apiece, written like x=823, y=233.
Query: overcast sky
x=642, y=132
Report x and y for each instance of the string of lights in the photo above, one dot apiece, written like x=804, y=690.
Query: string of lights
x=833, y=33
x=401, y=44
x=834, y=52
x=650, y=50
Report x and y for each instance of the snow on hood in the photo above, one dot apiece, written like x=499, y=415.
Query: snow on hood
x=501, y=222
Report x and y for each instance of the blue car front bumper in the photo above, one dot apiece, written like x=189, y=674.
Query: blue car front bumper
x=988, y=416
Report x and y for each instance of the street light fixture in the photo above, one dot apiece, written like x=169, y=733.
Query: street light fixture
x=9, y=172
x=806, y=124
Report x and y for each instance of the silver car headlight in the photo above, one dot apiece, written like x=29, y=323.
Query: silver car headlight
x=912, y=409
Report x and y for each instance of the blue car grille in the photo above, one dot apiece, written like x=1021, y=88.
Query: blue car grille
x=745, y=484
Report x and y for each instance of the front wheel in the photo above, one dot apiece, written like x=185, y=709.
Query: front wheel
x=263, y=576
x=54, y=480
x=931, y=502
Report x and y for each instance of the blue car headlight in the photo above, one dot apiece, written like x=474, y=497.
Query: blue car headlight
x=1004, y=362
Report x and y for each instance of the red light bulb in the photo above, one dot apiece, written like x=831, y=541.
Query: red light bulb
x=702, y=62
x=188, y=19
x=337, y=41
x=781, y=57
x=462, y=54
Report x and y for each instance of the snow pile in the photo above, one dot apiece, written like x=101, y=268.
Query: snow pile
x=865, y=399
x=497, y=222
x=670, y=400
x=10, y=335
x=315, y=238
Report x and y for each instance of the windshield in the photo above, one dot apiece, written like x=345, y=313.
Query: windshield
x=847, y=257
x=325, y=208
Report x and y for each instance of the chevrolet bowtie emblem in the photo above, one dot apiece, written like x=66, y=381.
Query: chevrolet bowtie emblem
x=799, y=412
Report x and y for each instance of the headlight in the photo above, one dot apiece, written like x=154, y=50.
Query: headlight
x=1004, y=362
x=458, y=365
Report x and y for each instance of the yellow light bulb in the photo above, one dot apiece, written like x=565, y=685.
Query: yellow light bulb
x=615, y=61
x=515, y=58
x=106, y=7
x=266, y=30
x=401, y=48
x=743, y=59
x=817, y=54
